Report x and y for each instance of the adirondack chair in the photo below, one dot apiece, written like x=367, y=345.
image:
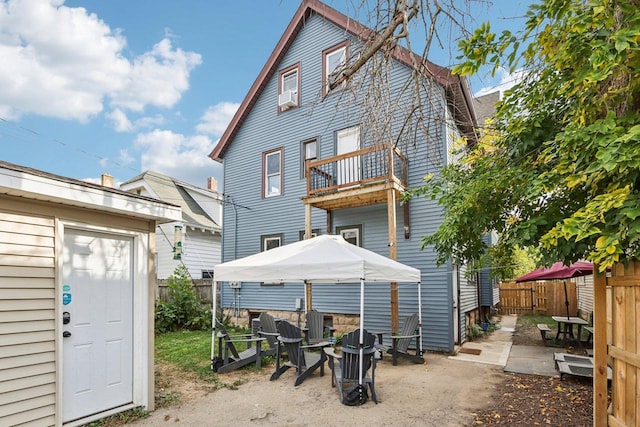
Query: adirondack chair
x=229, y=358
x=316, y=331
x=300, y=356
x=345, y=368
x=269, y=332
x=400, y=343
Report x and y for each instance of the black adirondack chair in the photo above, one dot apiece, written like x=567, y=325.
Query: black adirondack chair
x=301, y=357
x=316, y=332
x=269, y=332
x=400, y=343
x=345, y=368
x=229, y=358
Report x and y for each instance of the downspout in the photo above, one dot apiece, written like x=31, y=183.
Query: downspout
x=458, y=304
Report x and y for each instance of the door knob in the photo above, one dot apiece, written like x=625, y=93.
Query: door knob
x=66, y=334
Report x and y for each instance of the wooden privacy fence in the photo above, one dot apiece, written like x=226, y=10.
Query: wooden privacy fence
x=202, y=287
x=616, y=343
x=543, y=297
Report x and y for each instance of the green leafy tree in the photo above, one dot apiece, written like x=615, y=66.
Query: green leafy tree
x=184, y=308
x=559, y=169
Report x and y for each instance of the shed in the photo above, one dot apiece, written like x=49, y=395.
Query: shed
x=76, y=298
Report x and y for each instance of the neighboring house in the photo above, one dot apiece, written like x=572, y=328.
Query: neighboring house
x=584, y=289
x=485, y=107
x=76, y=298
x=294, y=165
x=195, y=240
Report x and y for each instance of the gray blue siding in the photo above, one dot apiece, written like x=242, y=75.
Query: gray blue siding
x=488, y=294
x=250, y=215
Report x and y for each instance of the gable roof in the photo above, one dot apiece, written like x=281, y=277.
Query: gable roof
x=180, y=193
x=486, y=106
x=457, y=89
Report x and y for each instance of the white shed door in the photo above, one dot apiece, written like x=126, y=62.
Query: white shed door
x=97, y=295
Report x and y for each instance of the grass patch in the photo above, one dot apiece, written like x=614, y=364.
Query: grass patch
x=534, y=319
x=191, y=351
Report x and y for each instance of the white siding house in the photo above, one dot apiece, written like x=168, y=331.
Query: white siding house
x=76, y=298
x=195, y=240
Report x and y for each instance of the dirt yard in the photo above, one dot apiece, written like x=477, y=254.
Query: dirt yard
x=442, y=392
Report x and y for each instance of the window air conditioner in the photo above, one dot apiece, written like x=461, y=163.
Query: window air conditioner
x=288, y=99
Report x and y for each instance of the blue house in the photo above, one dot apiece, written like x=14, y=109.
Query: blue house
x=301, y=159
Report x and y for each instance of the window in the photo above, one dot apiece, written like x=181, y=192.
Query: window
x=314, y=233
x=289, y=88
x=351, y=233
x=349, y=169
x=333, y=59
x=270, y=241
x=309, y=151
x=272, y=173
x=207, y=274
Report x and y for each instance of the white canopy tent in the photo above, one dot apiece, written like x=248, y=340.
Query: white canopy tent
x=322, y=259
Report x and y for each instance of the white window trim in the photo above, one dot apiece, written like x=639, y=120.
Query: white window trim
x=343, y=49
x=266, y=175
x=282, y=75
x=342, y=230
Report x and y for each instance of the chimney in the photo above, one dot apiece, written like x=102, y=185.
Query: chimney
x=107, y=180
x=212, y=184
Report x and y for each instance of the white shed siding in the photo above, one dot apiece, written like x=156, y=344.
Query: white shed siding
x=27, y=319
x=584, y=286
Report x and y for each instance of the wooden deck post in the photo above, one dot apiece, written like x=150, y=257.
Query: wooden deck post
x=599, y=348
x=393, y=254
x=307, y=234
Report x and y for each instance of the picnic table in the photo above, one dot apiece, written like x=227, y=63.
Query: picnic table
x=565, y=327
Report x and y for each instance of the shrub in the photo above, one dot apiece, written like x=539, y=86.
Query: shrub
x=184, y=310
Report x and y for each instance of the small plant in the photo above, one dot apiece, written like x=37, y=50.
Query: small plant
x=184, y=310
x=475, y=331
x=338, y=338
x=165, y=399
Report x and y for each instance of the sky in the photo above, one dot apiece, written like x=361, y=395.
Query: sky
x=121, y=86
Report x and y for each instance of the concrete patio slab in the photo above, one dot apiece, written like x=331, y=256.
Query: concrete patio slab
x=534, y=360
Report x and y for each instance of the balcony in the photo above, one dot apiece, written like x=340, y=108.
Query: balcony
x=359, y=178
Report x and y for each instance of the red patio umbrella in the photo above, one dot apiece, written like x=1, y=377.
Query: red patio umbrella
x=559, y=271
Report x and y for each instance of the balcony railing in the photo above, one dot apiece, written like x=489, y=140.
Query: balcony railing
x=363, y=167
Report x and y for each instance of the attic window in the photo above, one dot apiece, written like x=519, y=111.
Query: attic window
x=289, y=88
x=333, y=60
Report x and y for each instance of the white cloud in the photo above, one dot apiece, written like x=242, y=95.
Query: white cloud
x=182, y=157
x=216, y=119
x=507, y=81
x=65, y=62
x=158, y=78
x=121, y=122
x=124, y=158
